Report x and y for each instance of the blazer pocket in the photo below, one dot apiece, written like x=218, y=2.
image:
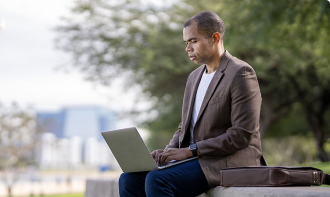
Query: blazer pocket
x=215, y=100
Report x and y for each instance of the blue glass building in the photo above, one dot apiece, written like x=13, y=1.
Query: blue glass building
x=83, y=121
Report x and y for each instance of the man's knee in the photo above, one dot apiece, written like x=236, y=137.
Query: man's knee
x=123, y=180
x=155, y=178
x=130, y=184
x=127, y=179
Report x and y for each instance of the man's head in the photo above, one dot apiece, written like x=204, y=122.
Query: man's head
x=207, y=24
x=203, y=35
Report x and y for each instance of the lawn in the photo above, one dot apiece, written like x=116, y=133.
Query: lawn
x=65, y=195
x=324, y=166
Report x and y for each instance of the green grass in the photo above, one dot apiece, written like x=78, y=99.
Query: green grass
x=324, y=166
x=68, y=195
x=63, y=195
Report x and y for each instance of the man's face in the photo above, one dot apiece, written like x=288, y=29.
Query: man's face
x=200, y=49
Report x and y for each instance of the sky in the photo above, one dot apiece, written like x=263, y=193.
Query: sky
x=29, y=62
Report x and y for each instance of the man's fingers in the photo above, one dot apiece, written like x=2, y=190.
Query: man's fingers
x=163, y=158
x=155, y=154
x=168, y=158
x=160, y=158
x=157, y=157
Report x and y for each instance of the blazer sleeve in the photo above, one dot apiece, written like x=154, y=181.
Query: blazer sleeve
x=174, y=142
x=245, y=112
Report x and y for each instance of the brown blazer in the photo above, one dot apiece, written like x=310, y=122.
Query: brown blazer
x=227, y=128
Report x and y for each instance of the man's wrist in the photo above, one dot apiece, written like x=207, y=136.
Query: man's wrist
x=193, y=149
x=189, y=153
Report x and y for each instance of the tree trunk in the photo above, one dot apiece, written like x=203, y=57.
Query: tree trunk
x=321, y=152
x=269, y=114
x=9, y=191
x=316, y=124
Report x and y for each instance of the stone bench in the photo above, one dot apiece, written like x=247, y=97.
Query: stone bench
x=109, y=188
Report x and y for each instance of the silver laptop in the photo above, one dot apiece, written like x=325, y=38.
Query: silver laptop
x=131, y=152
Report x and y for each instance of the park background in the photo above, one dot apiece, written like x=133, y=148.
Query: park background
x=130, y=57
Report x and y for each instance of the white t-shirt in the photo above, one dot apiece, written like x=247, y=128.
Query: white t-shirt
x=201, y=91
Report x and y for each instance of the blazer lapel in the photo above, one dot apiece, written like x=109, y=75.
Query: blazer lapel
x=192, y=95
x=214, y=82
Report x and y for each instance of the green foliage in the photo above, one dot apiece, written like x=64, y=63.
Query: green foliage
x=17, y=136
x=293, y=151
x=292, y=35
x=286, y=42
x=289, y=151
x=143, y=44
x=291, y=124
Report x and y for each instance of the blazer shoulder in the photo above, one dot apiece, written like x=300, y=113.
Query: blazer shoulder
x=236, y=64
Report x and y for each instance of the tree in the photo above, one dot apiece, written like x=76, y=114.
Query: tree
x=142, y=44
x=281, y=40
x=290, y=51
x=18, y=138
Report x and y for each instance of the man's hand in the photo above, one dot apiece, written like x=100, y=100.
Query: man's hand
x=164, y=156
x=155, y=155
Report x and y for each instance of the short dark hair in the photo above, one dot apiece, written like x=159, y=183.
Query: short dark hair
x=207, y=23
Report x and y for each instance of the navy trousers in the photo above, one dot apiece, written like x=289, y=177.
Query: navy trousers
x=183, y=180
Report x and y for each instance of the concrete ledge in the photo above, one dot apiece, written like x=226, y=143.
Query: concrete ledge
x=269, y=192
x=109, y=188
x=102, y=188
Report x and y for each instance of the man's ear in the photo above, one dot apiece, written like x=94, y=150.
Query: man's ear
x=216, y=37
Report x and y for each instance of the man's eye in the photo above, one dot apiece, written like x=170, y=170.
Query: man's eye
x=193, y=41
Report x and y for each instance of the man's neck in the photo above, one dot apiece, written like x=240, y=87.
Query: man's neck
x=214, y=64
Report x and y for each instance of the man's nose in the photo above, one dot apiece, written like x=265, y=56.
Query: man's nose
x=189, y=48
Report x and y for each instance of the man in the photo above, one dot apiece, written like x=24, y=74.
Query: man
x=220, y=119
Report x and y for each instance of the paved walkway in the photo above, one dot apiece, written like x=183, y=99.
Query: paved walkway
x=55, y=183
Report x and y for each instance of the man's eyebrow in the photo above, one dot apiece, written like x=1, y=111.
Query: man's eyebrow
x=190, y=39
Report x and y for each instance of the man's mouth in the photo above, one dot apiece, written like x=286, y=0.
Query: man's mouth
x=192, y=57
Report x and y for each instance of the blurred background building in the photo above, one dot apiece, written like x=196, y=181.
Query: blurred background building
x=72, y=138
